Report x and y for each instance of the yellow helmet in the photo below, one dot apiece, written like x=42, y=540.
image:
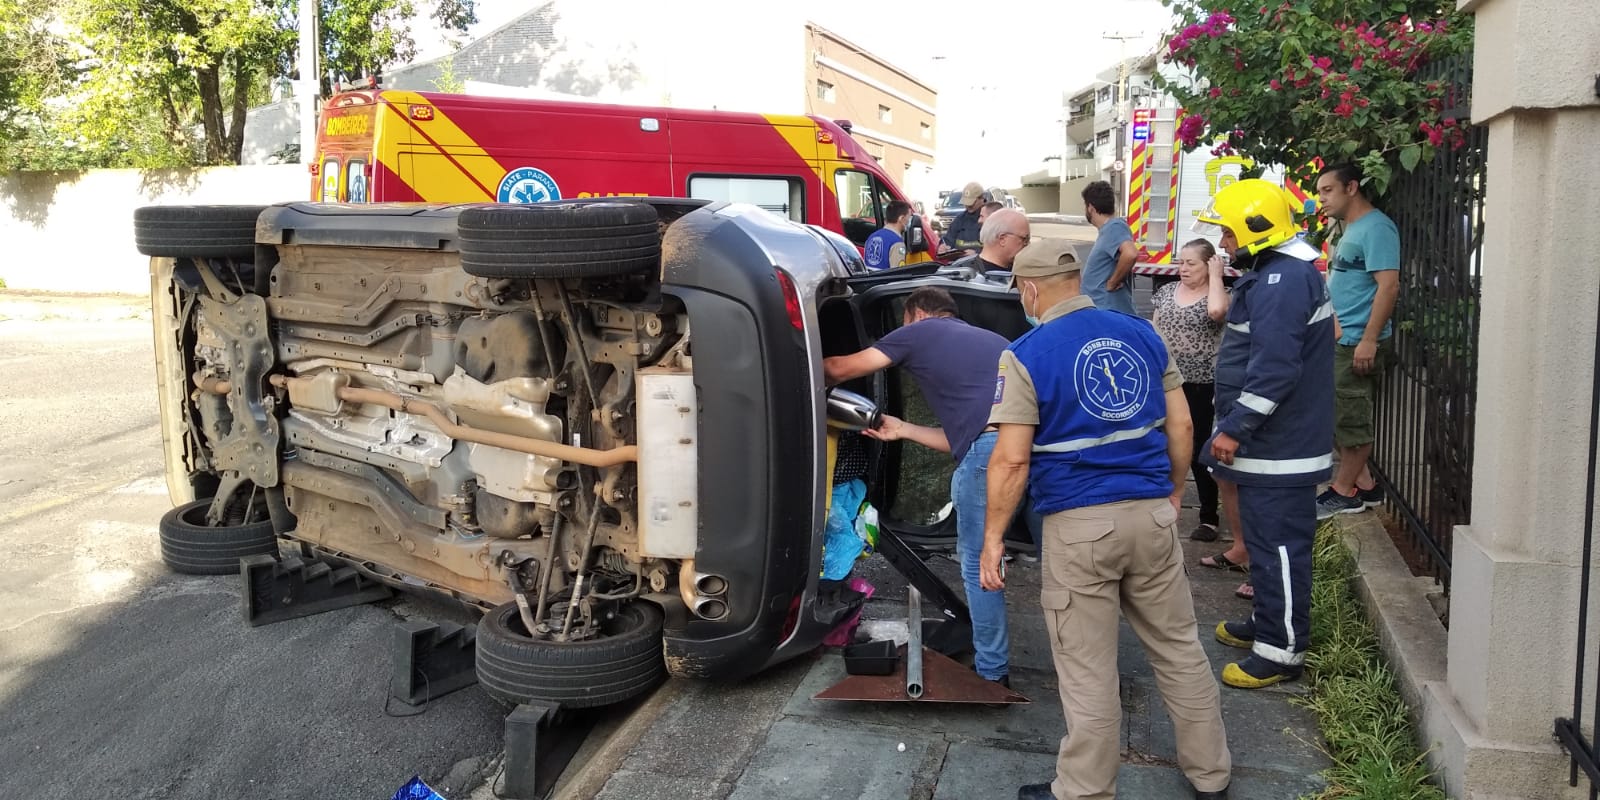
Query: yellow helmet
x=1260, y=214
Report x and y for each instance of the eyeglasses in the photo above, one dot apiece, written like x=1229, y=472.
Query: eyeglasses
x=1021, y=237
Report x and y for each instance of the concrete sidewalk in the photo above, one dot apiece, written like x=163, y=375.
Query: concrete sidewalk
x=766, y=739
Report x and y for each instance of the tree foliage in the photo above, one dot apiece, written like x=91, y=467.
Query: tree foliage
x=1335, y=80
x=153, y=83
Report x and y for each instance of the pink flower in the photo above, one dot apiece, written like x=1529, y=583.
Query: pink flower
x=1215, y=92
x=1276, y=86
x=1323, y=62
x=1343, y=109
x=1357, y=62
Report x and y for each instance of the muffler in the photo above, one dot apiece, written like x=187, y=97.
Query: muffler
x=848, y=411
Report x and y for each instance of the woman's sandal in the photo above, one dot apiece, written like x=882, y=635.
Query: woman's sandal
x=1245, y=591
x=1220, y=561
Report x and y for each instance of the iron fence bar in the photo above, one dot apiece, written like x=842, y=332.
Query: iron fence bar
x=1569, y=730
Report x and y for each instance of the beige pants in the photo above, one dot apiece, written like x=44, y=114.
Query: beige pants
x=1125, y=557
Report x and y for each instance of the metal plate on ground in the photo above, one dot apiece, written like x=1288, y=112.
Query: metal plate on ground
x=943, y=681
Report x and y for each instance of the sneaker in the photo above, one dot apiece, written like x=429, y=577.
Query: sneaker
x=1237, y=634
x=1027, y=558
x=1331, y=502
x=1371, y=497
x=1255, y=672
x=1205, y=532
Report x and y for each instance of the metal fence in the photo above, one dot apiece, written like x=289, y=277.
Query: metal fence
x=1423, y=453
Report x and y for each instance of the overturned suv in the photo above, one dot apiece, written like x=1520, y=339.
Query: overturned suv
x=603, y=424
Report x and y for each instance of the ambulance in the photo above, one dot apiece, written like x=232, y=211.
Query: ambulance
x=1168, y=188
x=383, y=145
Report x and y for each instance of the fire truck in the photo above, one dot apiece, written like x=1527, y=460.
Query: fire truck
x=1168, y=188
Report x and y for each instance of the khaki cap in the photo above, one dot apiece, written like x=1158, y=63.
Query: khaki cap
x=1047, y=256
x=971, y=193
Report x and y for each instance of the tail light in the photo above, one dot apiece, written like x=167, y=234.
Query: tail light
x=791, y=300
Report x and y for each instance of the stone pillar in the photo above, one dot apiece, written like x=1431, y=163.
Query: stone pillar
x=1516, y=568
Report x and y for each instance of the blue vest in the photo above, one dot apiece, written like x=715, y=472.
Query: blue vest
x=1098, y=377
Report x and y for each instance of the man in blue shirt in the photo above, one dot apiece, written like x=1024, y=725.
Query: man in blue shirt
x=1108, y=277
x=954, y=365
x=885, y=248
x=963, y=231
x=1364, y=281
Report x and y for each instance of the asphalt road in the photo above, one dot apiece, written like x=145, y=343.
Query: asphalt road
x=119, y=678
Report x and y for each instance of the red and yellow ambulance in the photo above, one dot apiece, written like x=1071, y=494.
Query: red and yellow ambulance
x=381, y=145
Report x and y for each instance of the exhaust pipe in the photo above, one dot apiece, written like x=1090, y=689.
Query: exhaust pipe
x=848, y=411
x=710, y=608
x=711, y=585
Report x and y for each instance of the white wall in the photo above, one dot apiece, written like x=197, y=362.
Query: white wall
x=73, y=231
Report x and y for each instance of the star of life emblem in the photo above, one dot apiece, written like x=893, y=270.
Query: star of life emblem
x=1112, y=379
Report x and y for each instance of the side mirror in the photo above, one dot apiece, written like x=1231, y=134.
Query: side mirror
x=916, y=239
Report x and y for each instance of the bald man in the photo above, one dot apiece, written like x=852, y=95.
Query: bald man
x=1003, y=235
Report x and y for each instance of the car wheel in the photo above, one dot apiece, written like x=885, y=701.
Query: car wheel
x=623, y=662
x=191, y=547
x=196, y=231
x=559, y=240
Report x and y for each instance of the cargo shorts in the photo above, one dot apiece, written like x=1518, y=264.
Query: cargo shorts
x=1355, y=395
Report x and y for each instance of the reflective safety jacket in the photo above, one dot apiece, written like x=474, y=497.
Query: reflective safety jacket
x=1275, y=373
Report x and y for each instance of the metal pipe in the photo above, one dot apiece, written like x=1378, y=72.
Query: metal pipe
x=914, y=643
x=686, y=588
x=522, y=444
x=549, y=567
x=583, y=563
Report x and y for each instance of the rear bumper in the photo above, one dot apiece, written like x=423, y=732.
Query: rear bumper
x=761, y=509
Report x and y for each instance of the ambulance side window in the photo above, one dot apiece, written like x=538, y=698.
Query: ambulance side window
x=782, y=195
x=330, y=180
x=861, y=201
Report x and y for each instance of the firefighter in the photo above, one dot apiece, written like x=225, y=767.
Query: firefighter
x=1274, y=419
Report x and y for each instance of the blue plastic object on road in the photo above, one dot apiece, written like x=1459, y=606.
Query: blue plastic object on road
x=840, y=544
x=415, y=789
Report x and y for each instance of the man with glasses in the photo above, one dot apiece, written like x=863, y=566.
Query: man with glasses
x=1108, y=277
x=1003, y=235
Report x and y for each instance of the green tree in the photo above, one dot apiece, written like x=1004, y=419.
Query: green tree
x=1336, y=80
x=153, y=83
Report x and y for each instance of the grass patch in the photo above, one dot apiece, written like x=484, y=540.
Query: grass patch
x=1353, y=692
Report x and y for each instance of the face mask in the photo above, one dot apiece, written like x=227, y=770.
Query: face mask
x=1033, y=321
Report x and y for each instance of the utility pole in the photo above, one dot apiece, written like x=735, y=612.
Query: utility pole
x=307, y=88
x=1122, y=113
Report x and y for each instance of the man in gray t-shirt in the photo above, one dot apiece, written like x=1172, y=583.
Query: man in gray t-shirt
x=955, y=365
x=1108, y=274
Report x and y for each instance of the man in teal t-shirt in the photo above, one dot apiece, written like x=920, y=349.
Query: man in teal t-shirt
x=1364, y=282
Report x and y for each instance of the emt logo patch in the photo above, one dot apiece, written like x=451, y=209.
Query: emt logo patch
x=999, y=389
x=1112, y=380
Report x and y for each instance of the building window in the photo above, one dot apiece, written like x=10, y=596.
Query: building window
x=1103, y=138
x=825, y=91
x=884, y=114
x=927, y=130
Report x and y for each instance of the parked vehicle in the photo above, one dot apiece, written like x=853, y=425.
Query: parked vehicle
x=601, y=422
x=1167, y=188
x=380, y=145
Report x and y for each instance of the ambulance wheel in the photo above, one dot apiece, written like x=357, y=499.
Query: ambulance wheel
x=559, y=240
x=196, y=231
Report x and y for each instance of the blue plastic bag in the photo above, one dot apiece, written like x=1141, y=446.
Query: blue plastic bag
x=840, y=544
x=415, y=789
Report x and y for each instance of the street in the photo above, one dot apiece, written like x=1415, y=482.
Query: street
x=118, y=677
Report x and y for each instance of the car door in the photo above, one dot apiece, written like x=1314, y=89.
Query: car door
x=910, y=484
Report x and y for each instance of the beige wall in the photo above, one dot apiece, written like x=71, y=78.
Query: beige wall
x=73, y=231
x=1516, y=568
x=861, y=85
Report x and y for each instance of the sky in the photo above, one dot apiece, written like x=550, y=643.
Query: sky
x=999, y=68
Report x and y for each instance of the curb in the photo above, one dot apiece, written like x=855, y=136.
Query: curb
x=1409, y=632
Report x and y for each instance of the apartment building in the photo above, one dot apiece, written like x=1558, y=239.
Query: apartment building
x=891, y=113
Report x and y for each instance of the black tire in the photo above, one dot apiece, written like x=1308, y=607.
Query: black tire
x=559, y=240
x=196, y=231
x=622, y=664
x=191, y=547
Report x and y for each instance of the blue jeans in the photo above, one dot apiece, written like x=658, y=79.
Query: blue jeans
x=969, y=488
